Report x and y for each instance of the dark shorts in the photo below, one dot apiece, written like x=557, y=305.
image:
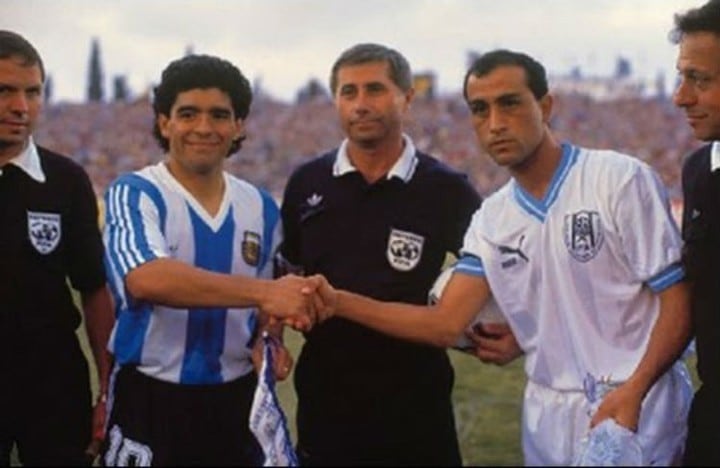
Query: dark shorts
x=389, y=435
x=157, y=423
x=45, y=402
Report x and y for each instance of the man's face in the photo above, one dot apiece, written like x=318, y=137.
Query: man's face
x=21, y=96
x=698, y=91
x=370, y=105
x=200, y=130
x=508, y=121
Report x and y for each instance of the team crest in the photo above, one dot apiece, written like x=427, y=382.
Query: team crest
x=251, y=248
x=44, y=231
x=583, y=234
x=404, y=249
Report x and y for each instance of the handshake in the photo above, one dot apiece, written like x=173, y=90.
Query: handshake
x=298, y=301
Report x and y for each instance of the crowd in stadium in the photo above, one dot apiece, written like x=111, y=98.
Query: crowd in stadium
x=109, y=139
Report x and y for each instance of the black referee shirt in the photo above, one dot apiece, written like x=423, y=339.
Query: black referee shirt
x=701, y=233
x=48, y=234
x=387, y=240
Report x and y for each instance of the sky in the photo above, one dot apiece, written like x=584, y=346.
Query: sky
x=282, y=44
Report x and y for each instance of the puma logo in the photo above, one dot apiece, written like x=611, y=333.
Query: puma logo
x=516, y=252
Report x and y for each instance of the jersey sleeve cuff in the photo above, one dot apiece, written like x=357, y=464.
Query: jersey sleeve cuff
x=470, y=265
x=666, y=278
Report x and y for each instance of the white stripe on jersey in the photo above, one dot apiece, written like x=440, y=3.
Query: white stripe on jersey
x=150, y=215
x=576, y=272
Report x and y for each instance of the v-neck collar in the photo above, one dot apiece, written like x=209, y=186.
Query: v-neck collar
x=539, y=208
x=213, y=222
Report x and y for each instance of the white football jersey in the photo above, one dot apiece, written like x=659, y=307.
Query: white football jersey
x=150, y=215
x=576, y=273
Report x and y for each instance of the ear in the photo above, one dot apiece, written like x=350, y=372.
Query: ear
x=546, y=106
x=239, y=129
x=162, y=121
x=408, y=97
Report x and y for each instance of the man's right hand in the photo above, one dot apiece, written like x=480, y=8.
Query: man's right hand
x=291, y=298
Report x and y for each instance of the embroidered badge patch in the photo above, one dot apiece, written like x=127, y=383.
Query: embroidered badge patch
x=404, y=249
x=251, y=248
x=44, y=231
x=583, y=234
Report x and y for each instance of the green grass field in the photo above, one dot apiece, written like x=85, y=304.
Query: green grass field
x=487, y=406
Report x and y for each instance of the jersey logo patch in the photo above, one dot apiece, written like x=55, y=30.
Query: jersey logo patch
x=314, y=200
x=583, y=234
x=404, y=249
x=251, y=248
x=44, y=231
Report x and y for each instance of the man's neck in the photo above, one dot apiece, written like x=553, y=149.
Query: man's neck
x=207, y=188
x=536, y=173
x=375, y=161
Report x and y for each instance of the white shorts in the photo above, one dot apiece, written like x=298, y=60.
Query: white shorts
x=554, y=422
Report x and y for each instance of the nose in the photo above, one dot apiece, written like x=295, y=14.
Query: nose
x=19, y=103
x=360, y=103
x=496, y=120
x=684, y=95
x=203, y=124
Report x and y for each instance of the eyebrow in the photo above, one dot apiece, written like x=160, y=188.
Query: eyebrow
x=496, y=98
x=190, y=107
x=15, y=87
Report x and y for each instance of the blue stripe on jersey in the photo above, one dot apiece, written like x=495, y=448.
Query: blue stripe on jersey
x=666, y=278
x=270, y=218
x=130, y=331
x=126, y=228
x=539, y=208
x=206, y=326
x=470, y=265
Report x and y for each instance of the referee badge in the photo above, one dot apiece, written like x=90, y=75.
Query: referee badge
x=583, y=234
x=44, y=231
x=404, y=249
x=251, y=248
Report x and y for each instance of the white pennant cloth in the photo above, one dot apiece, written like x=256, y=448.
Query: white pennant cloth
x=267, y=420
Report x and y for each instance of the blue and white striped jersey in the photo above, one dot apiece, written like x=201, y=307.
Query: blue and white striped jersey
x=149, y=215
x=577, y=273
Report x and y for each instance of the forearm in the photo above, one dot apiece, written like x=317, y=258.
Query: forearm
x=177, y=284
x=424, y=324
x=669, y=338
x=98, y=316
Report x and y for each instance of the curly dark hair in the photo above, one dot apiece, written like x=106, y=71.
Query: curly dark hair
x=201, y=72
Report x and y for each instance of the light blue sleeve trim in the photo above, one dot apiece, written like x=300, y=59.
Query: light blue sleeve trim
x=470, y=265
x=666, y=278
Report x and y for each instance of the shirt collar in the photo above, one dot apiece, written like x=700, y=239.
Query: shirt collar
x=29, y=161
x=404, y=167
x=715, y=156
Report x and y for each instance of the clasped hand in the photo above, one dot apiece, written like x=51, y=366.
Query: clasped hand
x=300, y=302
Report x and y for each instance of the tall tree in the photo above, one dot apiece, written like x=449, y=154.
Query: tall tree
x=120, y=88
x=95, y=90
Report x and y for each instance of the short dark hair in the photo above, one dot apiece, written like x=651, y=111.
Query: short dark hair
x=201, y=72
x=535, y=75
x=400, y=72
x=703, y=19
x=14, y=45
